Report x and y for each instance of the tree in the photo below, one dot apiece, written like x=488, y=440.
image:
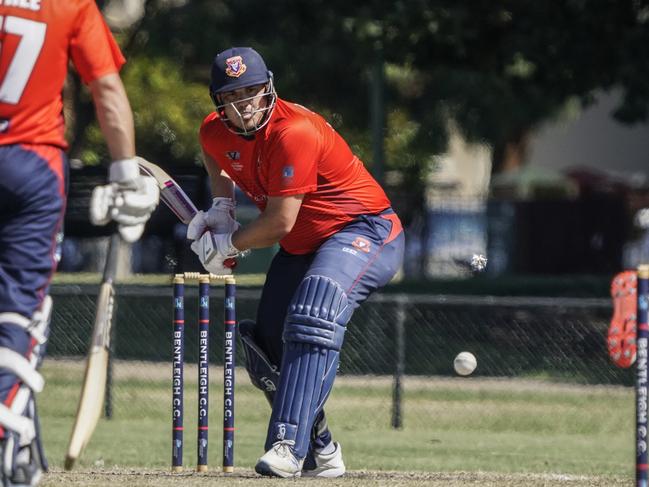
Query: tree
x=497, y=69
x=501, y=68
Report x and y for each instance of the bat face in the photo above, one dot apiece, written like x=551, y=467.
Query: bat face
x=94, y=383
x=171, y=193
x=106, y=301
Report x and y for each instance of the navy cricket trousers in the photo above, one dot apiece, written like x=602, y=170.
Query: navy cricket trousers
x=361, y=257
x=32, y=204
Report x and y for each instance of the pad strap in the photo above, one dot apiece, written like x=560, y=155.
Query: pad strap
x=37, y=327
x=22, y=368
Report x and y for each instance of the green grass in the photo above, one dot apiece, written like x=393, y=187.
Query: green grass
x=449, y=424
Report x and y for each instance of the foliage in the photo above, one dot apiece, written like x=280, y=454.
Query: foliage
x=498, y=69
x=167, y=109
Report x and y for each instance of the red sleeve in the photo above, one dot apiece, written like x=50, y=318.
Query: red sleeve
x=93, y=49
x=293, y=160
x=208, y=138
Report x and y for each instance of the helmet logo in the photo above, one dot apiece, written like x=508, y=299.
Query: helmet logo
x=234, y=66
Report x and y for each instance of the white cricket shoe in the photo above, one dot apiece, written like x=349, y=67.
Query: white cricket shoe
x=321, y=465
x=280, y=461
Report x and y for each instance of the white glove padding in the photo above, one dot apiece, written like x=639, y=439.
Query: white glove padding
x=131, y=233
x=213, y=249
x=218, y=219
x=100, y=203
x=129, y=199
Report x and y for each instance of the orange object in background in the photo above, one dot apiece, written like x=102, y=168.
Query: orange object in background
x=621, y=339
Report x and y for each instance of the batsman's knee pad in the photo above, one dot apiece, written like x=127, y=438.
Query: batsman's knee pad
x=22, y=347
x=263, y=374
x=313, y=335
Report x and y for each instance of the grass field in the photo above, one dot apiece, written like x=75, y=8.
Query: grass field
x=456, y=431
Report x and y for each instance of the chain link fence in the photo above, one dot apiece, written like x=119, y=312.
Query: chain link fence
x=544, y=396
x=390, y=335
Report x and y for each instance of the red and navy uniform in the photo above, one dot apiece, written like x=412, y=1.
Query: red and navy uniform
x=38, y=38
x=345, y=229
x=37, y=44
x=297, y=152
x=345, y=232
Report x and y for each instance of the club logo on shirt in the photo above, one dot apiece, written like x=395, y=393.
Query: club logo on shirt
x=234, y=66
x=287, y=172
x=234, y=156
x=362, y=244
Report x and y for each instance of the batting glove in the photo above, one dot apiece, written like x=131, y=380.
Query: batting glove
x=129, y=199
x=213, y=249
x=218, y=219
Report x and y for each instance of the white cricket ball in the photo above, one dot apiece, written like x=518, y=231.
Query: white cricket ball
x=465, y=363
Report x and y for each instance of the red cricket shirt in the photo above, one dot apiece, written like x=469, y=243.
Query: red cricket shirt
x=38, y=38
x=297, y=152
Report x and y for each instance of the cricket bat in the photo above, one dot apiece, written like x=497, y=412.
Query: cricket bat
x=174, y=197
x=170, y=191
x=94, y=383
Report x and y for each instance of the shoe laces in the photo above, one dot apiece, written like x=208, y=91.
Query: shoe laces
x=283, y=448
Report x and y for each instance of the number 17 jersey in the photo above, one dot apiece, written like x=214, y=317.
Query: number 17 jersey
x=37, y=39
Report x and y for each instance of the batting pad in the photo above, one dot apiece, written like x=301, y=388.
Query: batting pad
x=313, y=335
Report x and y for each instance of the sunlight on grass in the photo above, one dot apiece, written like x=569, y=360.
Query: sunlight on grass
x=488, y=427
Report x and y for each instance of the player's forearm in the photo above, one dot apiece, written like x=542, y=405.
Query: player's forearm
x=222, y=186
x=275, y=222
x=263, y=232
x=114, y=115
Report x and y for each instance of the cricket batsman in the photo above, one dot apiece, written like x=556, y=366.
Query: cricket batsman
x=339, y=241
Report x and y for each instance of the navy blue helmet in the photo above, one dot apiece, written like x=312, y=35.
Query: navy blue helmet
x=236, y=68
